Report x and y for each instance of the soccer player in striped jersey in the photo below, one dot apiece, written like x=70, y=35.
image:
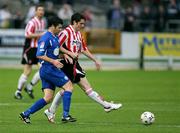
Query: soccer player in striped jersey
x=34, y=29
x=51, y=74
x=72, y=40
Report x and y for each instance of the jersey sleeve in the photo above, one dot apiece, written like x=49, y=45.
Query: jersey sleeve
x=42, y=47
x=84, y=45
x=62, y=38
x=30, y=29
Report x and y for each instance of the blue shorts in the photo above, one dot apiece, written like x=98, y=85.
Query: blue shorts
x=52, y=77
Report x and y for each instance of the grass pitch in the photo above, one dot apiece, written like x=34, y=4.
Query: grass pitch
x=139, y=91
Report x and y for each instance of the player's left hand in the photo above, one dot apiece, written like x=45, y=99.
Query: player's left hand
x=98, y=65
x=57, y=64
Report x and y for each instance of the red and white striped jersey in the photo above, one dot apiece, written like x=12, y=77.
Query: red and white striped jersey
x=73, y=40
x=35, y=25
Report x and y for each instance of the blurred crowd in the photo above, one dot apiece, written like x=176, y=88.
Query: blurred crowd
x=132, y=15
x=145, y=16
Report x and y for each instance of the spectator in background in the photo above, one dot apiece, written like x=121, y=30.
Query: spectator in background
x=17, y=20
x=49, y=12
x=5, y=17
x=160, y=19
x=65, y=13
x=178, y=3
x=60, y=2
x=146, y=20
x=30, y=13
x=70, y=2
x=172, y=10
x=129, y=19
x=28, y=2
x=137, y=8
x=115, y=16
x=172, y=13
x=156, y=3
x=88, y=14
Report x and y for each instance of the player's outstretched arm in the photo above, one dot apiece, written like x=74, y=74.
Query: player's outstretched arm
x=91, y=57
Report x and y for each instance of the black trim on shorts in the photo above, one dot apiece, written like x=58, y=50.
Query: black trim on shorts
x=68, y=69
x=29, y=54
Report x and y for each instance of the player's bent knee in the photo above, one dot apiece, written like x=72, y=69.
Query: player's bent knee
x=68, y=86
x=48, y=99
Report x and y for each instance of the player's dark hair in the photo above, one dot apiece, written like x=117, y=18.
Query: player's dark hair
x=54, y=21
x=38, y=5
x=77, y=17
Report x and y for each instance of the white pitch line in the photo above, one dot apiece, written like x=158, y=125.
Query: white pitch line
x=118, y=124
x=176, y=126
x=121, y=124
x=126, y=106
x=13, y=104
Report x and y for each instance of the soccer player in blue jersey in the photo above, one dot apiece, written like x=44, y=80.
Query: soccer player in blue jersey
x=50, y=72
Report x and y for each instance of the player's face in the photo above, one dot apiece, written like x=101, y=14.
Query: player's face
x=57, y=29
x=80, y=25
x=40, y=12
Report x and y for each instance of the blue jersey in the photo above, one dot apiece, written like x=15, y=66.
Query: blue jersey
x=48, y=45
x=51, y=76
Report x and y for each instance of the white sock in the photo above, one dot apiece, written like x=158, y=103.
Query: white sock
x=95, y=96
x=21, y=82
x=56, y=101
x=34, y=81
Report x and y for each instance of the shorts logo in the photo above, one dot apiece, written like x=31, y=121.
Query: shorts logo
x=65, y=77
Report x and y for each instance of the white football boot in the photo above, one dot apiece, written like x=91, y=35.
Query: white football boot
x=50, y=116
x=112, y=106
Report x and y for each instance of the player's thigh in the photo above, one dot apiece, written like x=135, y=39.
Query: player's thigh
x=84, y=83
x=27, y=69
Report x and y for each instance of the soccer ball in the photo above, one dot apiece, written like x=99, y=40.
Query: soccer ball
x=147, y=118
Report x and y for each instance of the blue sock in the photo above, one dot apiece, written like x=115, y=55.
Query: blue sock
x=35, y=107
x=66, y=103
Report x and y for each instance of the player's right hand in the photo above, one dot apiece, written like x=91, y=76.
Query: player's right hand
x=57, y=64
x=68, y=59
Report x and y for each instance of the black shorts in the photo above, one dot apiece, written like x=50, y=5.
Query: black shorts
x=29, y=55
x=73, y=71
